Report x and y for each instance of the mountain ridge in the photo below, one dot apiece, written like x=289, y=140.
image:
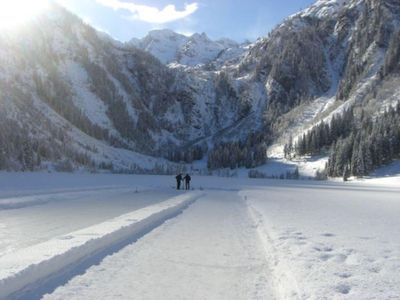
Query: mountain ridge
x=171, y=47
x=103, y=96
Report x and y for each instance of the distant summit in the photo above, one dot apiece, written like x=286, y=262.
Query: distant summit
x=171, y=47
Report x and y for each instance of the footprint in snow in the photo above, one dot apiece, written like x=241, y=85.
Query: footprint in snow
x=322, y=248
x=375, y=269
x=343, y=289
x=325, y=257
x=344, y=275
x=328, y=234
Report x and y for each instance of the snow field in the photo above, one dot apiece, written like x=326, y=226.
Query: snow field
x=329, y=243
x=29, y=269
x=244, y=239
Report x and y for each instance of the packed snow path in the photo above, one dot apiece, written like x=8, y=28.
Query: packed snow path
x=211, y=251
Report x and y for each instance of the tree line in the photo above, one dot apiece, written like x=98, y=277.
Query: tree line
x=375, y=143
x=358, y=144
x=248, y=154
x=322, y=136
x=187, y=155
x=21, y=150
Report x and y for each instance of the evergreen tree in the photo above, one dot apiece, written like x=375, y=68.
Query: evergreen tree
x=346, y=173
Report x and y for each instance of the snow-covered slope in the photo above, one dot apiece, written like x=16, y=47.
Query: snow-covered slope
x=163, y=44
x=325, y=59
x=77, y=93
x=325, y=8
x=93, y=95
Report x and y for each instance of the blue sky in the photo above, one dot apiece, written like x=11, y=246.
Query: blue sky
x=235, y=19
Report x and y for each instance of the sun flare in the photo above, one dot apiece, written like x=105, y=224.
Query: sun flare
x=16, y=12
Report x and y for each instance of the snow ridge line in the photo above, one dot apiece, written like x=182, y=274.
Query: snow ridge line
x=34, y=271
x=284, y=283
x=41, y=199
x=50, y=192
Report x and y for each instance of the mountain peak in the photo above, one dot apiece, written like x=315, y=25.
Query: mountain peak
x=163, y=33
x=171, y=47
x=200, y=36
x=325, y=8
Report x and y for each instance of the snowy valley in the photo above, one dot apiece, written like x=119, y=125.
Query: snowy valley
x=156, y=104
x=292, y=142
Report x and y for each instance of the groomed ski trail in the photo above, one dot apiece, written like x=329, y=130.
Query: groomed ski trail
x=211, y=251
x=34, y=271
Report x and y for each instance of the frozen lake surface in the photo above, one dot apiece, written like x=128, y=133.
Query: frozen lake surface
x=86, y=236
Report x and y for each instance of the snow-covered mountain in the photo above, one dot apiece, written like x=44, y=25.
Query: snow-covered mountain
x=79, y=93
x=74, y=93
x=171, y=47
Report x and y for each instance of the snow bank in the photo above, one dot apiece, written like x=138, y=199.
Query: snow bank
x=31, y=268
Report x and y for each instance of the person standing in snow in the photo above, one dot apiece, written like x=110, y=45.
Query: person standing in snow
x=187, y=181
x=178, y=181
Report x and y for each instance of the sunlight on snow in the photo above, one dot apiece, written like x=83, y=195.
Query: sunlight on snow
x=17, y=12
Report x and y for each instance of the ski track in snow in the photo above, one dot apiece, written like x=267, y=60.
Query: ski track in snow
x=31, y=272
x=208, y=252
x=35, y=219
x=242, y=239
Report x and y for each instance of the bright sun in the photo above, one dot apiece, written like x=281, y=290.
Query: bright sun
x=16, y=12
